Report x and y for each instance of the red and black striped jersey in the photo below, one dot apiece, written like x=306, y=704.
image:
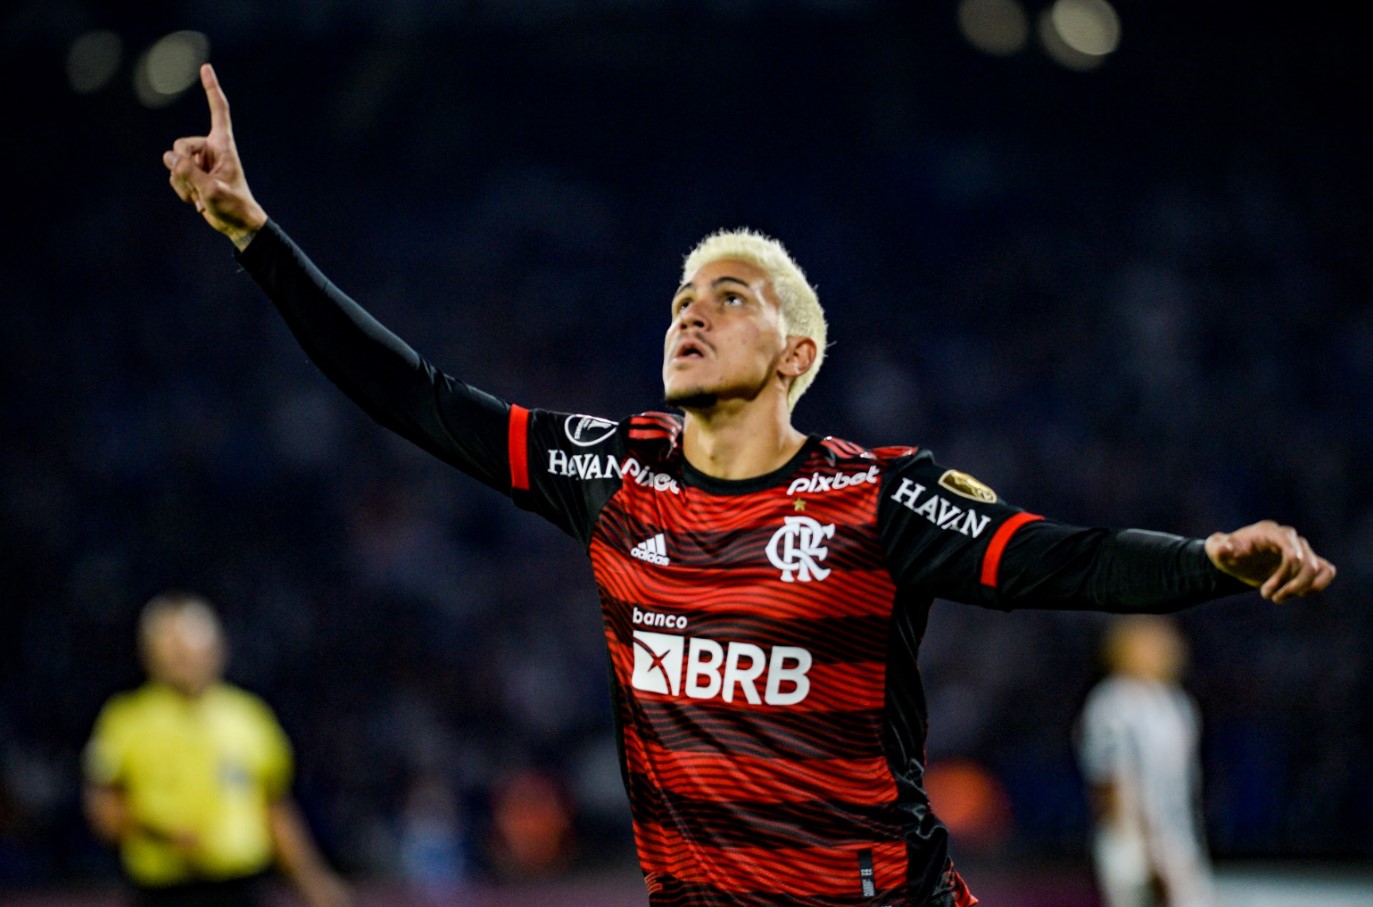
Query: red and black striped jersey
x=763, y=638
x=763, y=633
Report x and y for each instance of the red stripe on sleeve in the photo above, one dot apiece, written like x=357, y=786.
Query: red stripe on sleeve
x=991, y=561
x=519, y=448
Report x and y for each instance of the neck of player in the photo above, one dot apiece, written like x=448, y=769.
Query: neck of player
x=735, y=440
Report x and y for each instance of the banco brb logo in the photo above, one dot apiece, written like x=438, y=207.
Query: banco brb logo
x=700, y=668
x=798, y=548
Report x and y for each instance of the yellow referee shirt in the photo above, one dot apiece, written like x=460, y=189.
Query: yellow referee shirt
x=210, y=766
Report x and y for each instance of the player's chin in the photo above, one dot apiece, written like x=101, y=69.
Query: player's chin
x=689, y=398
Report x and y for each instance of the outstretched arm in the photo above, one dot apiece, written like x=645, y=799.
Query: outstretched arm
x=1057, y=566
x=942, y=540
x=206, y=171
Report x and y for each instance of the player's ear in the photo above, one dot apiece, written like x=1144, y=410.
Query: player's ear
x=797, y=357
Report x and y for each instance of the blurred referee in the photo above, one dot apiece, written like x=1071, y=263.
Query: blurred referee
x=190, y=776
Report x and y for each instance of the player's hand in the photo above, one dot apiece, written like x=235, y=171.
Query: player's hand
x=186, y=843
x=1274, y=558
x=206, y=172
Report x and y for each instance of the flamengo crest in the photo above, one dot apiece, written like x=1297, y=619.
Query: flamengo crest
x=798, y=548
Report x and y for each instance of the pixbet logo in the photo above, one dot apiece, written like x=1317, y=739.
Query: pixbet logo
x=798, y=548
x=817, y=483
x=700, y=668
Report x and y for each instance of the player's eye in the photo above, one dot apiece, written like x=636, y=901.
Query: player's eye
x=733, y=299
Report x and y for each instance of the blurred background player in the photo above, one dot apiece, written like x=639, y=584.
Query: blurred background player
x=1138, y=745
x=190, y=776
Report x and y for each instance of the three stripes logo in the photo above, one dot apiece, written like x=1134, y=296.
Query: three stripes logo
x=653, y=550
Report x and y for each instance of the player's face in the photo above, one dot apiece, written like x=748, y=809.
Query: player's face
x=725, y=339
x=1155, y=651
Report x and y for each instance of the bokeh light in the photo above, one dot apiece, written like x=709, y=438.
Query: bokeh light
x=970, y=801
x=997, y=27
x=93, y=59
x=170, y=67
x=1080, y=34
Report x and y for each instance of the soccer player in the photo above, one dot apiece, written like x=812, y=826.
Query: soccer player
x=189, y=776
x=764, y=591
x=1138, y=739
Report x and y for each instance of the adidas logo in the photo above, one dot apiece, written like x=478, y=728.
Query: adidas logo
x=653, y=550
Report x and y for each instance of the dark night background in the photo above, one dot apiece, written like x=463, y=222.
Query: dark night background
x=1132, y=296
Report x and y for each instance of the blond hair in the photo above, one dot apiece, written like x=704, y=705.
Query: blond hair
x=801, y=314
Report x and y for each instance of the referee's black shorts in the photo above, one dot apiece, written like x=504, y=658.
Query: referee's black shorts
x=242, y=892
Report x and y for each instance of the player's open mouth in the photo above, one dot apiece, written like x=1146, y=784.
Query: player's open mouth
x=690, y=349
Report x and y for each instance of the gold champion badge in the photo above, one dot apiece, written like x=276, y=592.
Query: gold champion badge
x=963, y=484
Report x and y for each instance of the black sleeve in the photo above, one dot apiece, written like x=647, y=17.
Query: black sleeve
x=950, y=536
x=568, y=465
x=1051, y=565
x=397, y=387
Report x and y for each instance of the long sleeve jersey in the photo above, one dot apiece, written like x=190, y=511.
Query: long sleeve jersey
x=763, y=633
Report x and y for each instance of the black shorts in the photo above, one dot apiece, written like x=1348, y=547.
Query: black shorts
x=242, y=892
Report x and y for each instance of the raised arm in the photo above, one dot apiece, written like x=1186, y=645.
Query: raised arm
x=205, y=171
x=380, y=372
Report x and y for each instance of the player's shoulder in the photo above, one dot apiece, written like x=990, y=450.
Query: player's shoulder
x=918, y=467
x=583, y=432
x=653, y=436
x=842, y=452
x=654, y=427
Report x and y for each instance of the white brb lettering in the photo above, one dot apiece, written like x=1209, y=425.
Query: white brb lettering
x=714, y=670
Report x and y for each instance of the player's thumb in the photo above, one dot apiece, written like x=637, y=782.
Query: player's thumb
x=1220, y=547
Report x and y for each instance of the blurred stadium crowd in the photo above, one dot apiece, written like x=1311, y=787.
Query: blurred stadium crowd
x=1137, y=296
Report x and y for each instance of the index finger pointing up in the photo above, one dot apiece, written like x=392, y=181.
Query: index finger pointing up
x=219, y=103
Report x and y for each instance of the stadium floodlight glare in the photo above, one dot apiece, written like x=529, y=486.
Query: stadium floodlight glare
x=93, y=59
x=169, y=67
x=1080, y=34
x=997, y=27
